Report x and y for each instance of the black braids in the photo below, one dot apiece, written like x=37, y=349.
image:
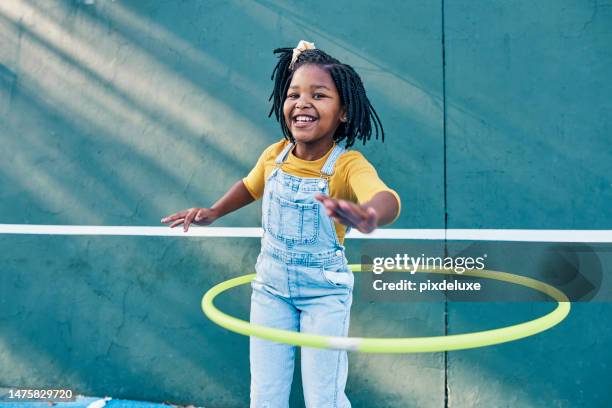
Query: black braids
x=363, y=110
x=315, y=56
x=359, y=111
x=365, y=107
x=339, y=80
x=354, y=103
x=372, y=119
x=350, y=107
x=375, y=119
x=349, y=100
x=377, y=122
x=359, y=127
x=365, y=125
x=286, y=132
x=352, y=114
x=281, y=70
x=369, y=113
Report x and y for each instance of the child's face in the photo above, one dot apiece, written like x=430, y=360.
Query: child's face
x=312, y=93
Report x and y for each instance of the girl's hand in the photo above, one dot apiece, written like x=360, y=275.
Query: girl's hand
x=345, y=212
x=198, y=216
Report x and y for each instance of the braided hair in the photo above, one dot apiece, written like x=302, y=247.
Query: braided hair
x=360, y=113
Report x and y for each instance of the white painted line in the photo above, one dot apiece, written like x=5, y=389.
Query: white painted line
x=594, y=236
x=194, y=231
x=603, y=236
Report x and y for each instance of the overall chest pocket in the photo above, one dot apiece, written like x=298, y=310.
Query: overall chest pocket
x=292, y=222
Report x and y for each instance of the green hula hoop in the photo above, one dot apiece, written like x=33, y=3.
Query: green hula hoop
x=396, y=345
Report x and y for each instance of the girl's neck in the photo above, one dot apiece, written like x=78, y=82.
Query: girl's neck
x=312, y=151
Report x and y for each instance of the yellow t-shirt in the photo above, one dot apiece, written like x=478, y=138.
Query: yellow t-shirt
x=354, y=178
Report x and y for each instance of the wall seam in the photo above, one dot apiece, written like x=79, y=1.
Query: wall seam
x=446, y=389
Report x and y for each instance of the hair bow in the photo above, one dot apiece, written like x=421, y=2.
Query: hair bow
x=302, y=46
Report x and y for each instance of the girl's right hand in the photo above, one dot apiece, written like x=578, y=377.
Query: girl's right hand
x=198, y=216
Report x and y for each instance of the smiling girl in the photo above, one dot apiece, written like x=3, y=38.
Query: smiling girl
x=313, y=191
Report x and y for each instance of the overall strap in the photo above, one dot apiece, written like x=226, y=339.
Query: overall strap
x=328, y=168
x=283, y=155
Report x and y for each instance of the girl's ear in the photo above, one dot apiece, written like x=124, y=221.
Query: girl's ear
x=343, y=117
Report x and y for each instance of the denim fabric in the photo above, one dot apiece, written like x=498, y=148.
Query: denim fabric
x=304, y=284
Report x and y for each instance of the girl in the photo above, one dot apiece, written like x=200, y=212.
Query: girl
x=313, y=191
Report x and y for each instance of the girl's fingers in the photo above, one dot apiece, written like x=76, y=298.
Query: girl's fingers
x=175, y=216
x=365, y=220
x=177, y=222
x=369, y=219
x=346, y=217
x=370, y=223
x=338, y=220
x=373, y=214
x=189, y=219
x=330, y=203
x=353, y=209
x=342, y=219
x=352, y=212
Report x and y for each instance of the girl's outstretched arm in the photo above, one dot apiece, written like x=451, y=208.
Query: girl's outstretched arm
x=236, y=197
x=366, y=217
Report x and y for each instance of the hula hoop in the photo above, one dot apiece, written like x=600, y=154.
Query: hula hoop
x=396, y=345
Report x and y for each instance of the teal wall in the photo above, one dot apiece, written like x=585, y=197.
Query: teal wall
x=497, y=115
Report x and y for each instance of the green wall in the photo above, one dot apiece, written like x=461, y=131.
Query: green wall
x=497, y=115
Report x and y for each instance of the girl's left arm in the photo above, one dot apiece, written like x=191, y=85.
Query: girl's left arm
x=386, y=206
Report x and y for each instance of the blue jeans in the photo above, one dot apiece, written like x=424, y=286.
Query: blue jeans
x=301, y=298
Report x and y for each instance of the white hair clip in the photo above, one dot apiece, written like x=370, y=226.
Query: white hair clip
x=302, y=46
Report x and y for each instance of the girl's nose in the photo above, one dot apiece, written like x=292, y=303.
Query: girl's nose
x=301, y=104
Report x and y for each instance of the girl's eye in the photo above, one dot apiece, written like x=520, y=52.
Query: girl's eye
x=315, y=96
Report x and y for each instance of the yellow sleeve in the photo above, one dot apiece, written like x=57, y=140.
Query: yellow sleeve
x=255, y=181
x=364, y=181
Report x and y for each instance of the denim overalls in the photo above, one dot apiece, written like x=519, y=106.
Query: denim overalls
x=304, y=284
